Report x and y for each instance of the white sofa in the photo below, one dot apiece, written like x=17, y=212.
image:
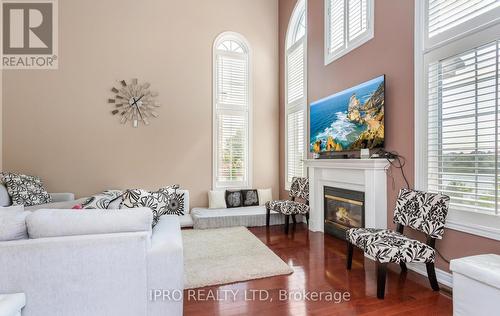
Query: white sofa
x=96, y=263
x=59, y=200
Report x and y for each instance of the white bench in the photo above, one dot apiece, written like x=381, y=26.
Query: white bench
x=476, y=285
x=249, y=216
x=12, y=304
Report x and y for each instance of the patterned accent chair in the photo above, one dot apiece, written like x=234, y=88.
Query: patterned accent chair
x=298, y=190
x=422, y=211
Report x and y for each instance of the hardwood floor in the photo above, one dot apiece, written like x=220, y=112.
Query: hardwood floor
x=318, y=261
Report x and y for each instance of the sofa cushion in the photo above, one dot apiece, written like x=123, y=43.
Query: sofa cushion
x=25, y=190
x=4, y=196
x=250, y=197
x=165, y=201
x=13, y=225
x=217, y=199
x=102, y=200
x=56, y=223
x=265, y=195
x=234, y=199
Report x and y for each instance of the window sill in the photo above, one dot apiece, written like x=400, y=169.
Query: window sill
x=478, y=224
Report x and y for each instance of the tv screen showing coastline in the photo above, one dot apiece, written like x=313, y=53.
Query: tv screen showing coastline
x=349, y=120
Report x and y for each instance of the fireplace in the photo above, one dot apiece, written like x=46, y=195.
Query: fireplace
x=344, y=209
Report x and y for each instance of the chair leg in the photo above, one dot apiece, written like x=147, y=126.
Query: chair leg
x=268, y=216
x=381, y=273
x=287, y=220
x=307, y=219
x=403, y=267
x=431, y=273
x=350, y=250
x=294, y=219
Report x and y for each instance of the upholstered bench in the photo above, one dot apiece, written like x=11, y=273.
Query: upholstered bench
x=249, y=216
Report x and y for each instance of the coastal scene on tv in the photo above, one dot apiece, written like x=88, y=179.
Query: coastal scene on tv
x=349, y=120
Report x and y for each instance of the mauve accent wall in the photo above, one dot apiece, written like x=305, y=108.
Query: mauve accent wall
x=390, y=52
x=57, y=123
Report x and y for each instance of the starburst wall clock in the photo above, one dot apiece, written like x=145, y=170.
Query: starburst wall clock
x=134, y=102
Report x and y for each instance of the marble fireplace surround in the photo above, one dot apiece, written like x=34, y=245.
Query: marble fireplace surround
x=365, y=175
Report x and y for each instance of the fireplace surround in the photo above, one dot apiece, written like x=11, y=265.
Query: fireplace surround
x=362, y=175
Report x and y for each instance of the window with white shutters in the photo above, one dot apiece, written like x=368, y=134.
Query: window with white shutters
x=231, y=112
x=457, y=110
x=295, y=90
x=348, y=25
x=463, y=128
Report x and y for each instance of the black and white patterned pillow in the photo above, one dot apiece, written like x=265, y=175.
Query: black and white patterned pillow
x=162, y=202
x=175, y=201
x=25, y=190
x=102, y=200
x=250, y=197
x=234, y=199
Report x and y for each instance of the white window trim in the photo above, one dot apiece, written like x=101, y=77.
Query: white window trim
x=352, y=45
x=296, y=104
x=234, y=185
x=469, y=222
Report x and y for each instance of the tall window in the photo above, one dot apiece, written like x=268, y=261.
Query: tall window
x=458, y=145
x=296, y=98
x=348, y=25
x=232, y=112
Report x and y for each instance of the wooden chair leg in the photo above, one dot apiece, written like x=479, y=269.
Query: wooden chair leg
x=268, y=216
x=294, y=219
x=431, y=273
x=307, y=219
x=381, y=273
x=403, y=267
x=350, y=250
x=287, y=220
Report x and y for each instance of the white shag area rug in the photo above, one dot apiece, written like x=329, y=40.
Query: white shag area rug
x=227, y=255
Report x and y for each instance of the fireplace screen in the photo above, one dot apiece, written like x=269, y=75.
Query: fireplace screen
x=344, y=209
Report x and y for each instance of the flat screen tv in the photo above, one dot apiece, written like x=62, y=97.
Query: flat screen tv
x=349, y=120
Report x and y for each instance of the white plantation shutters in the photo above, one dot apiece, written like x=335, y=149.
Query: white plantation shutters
x=295, y=73
x=295, y=94
x=348, y=24
x=336, y=30
x=295, y=145
x=231, y=113
x=458, y=123
x=463, y=128
x=358, y=18
x=446, y=14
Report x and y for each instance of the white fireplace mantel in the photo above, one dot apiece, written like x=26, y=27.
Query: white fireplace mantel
x=365, y=175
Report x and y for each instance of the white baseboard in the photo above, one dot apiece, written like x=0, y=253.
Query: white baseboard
x=443, y=277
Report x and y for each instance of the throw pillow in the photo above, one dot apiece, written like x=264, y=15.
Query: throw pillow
x=102, y=200
x=250, y=197
x=265, y=195
x=161, y=202
x=25, y=190
x=13, y=225
x=234, y=199
x=175, y=200
x=216, y=199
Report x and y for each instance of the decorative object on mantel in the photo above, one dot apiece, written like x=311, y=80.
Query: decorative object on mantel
x=365, y=153
x=134, y=102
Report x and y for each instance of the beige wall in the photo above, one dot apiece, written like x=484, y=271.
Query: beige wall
x=390, y=52
x=58, y=125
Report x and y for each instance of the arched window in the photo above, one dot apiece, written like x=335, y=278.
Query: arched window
x=295, y=93
x=231, y=112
